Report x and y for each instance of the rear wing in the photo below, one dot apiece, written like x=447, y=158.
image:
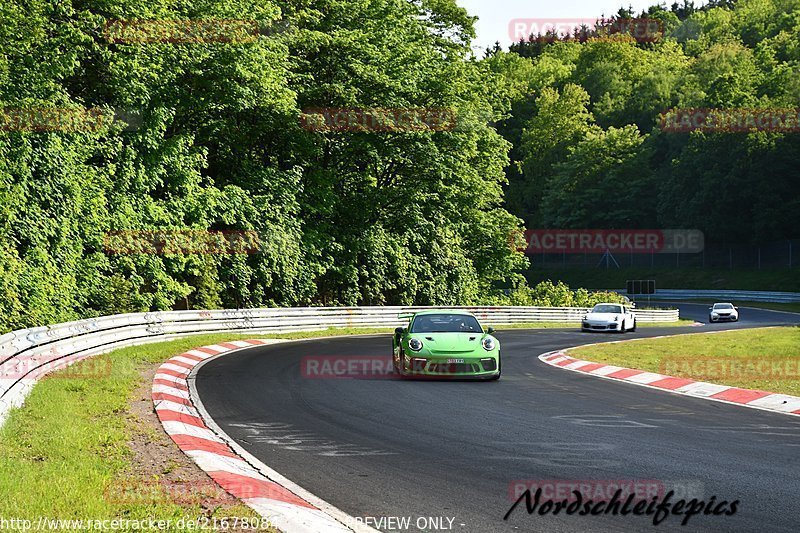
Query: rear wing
x=402, y=316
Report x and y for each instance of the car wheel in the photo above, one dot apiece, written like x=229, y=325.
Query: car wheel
x=634, y=325
x=398, y=368
x=622, y=326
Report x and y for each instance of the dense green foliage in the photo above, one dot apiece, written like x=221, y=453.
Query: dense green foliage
x=343, y=218
x=589, y=151
x=549, y=294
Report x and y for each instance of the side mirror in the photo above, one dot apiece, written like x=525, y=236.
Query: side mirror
x=710, y=308
x=736, y=308
x=489, y=330
x=399, y=332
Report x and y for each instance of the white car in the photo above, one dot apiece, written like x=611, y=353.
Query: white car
x=725, y=311
x=609, y=317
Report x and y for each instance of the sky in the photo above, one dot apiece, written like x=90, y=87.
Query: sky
x=495, y=15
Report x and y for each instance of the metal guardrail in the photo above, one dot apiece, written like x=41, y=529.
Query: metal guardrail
x=27, y=355
x=722, y=295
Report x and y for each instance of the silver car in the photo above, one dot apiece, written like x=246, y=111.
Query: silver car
x=723, y=312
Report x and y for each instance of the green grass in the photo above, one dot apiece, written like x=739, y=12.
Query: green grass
x=69, y=443
x=785, y=280
x=727, y=358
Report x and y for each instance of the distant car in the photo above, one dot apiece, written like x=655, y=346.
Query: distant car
x=723, y=312
x=609, y=317
x=449, y=344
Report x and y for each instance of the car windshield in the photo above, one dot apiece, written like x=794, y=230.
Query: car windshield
x=445, y=324
x=605, y=308
x=723, y=306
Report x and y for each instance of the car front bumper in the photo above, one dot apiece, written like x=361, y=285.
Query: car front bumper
x=476, y=366
x=594, y=325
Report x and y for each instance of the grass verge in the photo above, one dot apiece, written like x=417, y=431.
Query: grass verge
x=78, y=439
x=68, y=450
x=765, y=359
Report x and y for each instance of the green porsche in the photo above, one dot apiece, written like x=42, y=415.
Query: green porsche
x=445, y=344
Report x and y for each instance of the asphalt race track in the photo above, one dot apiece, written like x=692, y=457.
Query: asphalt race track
x=382, y=447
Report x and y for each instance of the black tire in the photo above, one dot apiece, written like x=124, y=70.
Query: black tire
x=633, y=329
x=398, y=369
x=622, y=327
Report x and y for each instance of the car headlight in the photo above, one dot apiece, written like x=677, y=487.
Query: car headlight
x=415, y=345
x=489, y=344
x=714, y=313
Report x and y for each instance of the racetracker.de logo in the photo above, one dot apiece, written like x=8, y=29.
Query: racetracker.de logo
x=553, y=29
x=346, y=367
x=386, y=120
x=597, y=241
x=740, y=368
x=182, y=31
x=52, y=119
x=151, y=491
x=181, y=242
x=55, y=365
x=784, y=120
x=596, y=489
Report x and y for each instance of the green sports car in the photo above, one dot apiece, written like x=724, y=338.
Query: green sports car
x=439, y=344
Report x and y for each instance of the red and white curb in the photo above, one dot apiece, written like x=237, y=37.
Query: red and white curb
x=285, y=505
x=779, y=403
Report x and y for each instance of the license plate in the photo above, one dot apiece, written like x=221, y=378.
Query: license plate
x=455, y=361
